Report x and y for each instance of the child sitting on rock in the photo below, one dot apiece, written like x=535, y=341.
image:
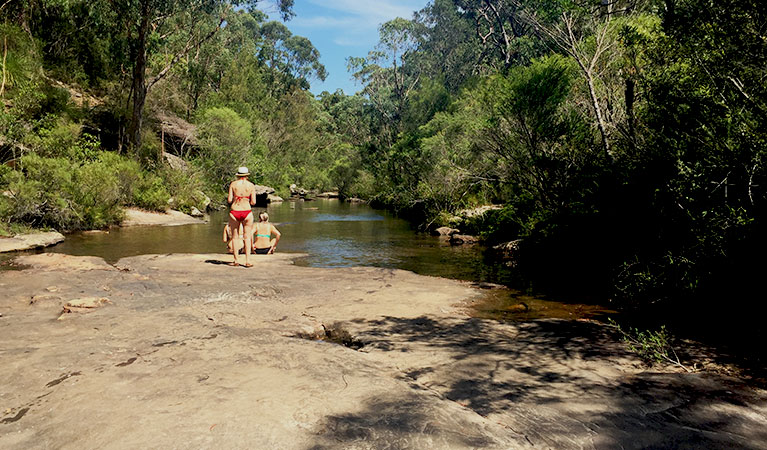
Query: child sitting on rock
x=230, y=243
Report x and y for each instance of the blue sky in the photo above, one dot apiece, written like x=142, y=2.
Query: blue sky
x=343, y=28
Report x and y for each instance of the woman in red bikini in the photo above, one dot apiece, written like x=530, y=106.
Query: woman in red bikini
x=242, y=194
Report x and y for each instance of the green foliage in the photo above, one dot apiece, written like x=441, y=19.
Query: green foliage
x=185, y=189
x=651, y=346
x=225, y=140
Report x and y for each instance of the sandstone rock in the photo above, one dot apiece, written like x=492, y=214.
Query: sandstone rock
x=328, y=194
x=459, y=239
x=175, y=162
x=137, y=217
x=261, y=190
x=296, y=191
x=271, y=198
x=445, y=231
x=83, y=305
x=196, y=212
x=30, y=241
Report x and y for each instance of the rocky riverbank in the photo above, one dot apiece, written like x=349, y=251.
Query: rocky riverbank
x=187, y=352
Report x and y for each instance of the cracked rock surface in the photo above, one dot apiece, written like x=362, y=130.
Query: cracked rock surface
x=192, y=353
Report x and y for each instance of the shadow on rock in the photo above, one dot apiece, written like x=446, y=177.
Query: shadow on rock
x=567, y=384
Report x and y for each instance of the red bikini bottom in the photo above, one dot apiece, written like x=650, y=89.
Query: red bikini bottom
x=240, y=215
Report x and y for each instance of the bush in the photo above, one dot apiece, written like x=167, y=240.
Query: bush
x=56, y=193
x=150, y=193
x=185, y=188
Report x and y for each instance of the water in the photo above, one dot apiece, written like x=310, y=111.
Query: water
x=339, y=234
x=332, y=233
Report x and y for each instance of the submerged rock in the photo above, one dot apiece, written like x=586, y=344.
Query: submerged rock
x=460, y=239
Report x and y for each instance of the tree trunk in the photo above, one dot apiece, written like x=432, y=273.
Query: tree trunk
x=629, y=99
x=139, y=82
x=598, y=113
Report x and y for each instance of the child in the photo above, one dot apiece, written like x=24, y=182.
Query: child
x=230, y=243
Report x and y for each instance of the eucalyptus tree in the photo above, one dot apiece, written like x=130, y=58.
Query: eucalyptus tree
x=291, y=58
x=390, y=73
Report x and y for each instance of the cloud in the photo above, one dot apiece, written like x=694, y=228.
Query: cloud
x=368, y=13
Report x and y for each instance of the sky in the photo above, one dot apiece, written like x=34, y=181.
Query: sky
x=343, y=28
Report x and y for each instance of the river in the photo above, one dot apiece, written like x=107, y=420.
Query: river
x=338, y=234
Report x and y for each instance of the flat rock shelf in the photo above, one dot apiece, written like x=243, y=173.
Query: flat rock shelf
x=191, y=353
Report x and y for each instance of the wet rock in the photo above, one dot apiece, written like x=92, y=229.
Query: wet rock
x=519, y=307
x=271, y=198
x=445, y=231
x=30, y=241
x=332, y=194
x=95, y=232
x=508, y=251
x=196, y=212
x=461, y=239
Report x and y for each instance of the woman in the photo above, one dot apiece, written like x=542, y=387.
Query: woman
x=264, y=243
x=242, y=194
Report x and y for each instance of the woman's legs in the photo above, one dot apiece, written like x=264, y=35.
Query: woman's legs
x=234, y=227
x=248, y=231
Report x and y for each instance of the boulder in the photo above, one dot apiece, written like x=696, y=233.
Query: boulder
x=459, y=239
x=271, y=198
x=445, y=231
x=175, y=162
x=328, y=195
x=30, y=241
x=508, y=251
x=260, y=190
x=296, y=191
x=196, y=212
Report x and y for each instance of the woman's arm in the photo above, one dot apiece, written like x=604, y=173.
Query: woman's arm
x=230, y=199
x=253, y=195
x=276, y=238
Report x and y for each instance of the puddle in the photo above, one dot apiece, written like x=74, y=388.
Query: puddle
x=509, y=305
